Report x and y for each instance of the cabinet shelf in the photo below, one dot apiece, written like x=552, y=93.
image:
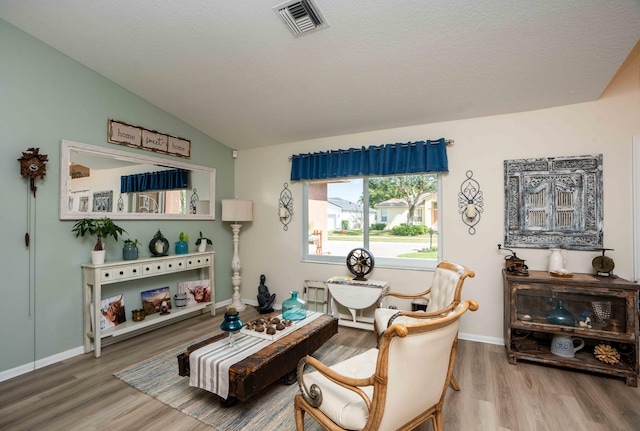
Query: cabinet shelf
x=150, y=320
x=95, y=276
x=543, y=354
x=528, y=333
x=541, y=325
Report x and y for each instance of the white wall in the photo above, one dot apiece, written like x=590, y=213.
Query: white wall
x=481, y=145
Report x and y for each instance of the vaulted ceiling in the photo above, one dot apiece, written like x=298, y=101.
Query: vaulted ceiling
x=232, y=69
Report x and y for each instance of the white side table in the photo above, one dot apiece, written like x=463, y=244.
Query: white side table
x=355, y=295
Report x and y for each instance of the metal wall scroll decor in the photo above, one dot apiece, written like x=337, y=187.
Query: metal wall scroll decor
x=285, y=206
x=470, y=202
x=554, y=202
x=193, y=205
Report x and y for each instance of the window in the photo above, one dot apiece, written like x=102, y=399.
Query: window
x=417, y=216
x=394, y=217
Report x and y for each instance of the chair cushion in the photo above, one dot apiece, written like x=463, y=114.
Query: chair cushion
x=443, y=289
x=341, y=405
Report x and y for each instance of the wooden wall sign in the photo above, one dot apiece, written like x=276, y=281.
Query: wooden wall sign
x=138, y=137
x=154, y=141
x=554, y=202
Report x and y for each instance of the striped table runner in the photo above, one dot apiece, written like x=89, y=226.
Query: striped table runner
x=209, y=365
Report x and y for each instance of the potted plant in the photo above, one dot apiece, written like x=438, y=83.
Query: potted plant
x=182, y=246
x=202, y=243
x=102, y=228
x=130, y=249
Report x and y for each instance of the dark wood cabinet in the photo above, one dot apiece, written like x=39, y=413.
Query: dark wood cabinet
x=528, y=329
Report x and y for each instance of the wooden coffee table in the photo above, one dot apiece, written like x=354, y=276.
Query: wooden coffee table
x=278, y=361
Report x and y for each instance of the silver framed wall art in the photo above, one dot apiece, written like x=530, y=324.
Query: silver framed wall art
x=554, y=202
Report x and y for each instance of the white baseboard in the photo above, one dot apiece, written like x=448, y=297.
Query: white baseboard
x=481, y=339
x=31, y=366
x=17, y=371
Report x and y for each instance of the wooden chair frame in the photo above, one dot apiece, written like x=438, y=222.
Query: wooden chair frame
x=460, y=269
x=309, y=399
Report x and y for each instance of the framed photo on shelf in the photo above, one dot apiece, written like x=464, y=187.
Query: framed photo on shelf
x=152, y=300
x=197, y=291
x=111, y=312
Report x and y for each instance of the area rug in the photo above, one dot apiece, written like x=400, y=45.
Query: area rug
x=270, y=410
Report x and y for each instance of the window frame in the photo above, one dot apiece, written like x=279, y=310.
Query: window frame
x=380, y=262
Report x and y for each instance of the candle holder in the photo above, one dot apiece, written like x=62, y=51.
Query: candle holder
x=285, y=207
x=602, y=311
x=470, y=202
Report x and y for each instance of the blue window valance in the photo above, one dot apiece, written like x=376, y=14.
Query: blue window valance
x=389, y=159
x=161, y=180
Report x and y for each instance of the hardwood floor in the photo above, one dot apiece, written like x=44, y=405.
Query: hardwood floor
x=81, y=393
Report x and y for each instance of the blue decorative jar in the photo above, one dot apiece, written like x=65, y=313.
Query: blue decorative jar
x=294, y=308
x=561, y=316
x=129, y=252
x=182, y=247
x=231, y=322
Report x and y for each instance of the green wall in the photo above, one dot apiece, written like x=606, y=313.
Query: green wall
x=45, y=97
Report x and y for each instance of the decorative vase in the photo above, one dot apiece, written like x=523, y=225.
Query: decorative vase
x=556, y=262
x=294, y=308
x=182, y=247
x=129, y=252
x=97, y=257
x=560, y=316
x=202, y=246
x=231, y=322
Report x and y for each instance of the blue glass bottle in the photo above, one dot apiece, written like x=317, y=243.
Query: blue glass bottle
x=294, y=308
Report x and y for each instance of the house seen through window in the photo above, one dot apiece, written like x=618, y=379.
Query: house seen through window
x=394, y=217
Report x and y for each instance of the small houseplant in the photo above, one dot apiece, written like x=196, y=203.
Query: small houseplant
x=130, y=249
x=102, y=228
x=202, y=242
x=182, y=246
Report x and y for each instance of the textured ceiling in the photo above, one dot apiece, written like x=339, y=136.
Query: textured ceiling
x=232, y=69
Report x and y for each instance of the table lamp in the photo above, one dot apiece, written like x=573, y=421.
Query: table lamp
x=236, y=210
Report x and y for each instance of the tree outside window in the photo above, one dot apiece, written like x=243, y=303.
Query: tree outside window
x=395, y=218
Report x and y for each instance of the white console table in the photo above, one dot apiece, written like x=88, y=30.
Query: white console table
x=95, y=276
x=355, y=295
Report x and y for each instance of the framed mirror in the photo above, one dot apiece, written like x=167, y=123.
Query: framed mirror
x=102, y=182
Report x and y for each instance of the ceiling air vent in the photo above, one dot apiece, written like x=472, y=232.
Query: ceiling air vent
x=300, y=16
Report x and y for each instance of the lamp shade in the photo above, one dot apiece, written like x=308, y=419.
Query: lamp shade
x=237, y=210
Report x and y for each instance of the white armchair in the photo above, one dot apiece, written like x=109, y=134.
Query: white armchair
x=397, y=386
x=442, y=297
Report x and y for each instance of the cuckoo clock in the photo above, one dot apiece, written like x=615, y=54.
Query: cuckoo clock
x=33, y=165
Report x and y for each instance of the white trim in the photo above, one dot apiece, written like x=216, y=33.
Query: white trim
x=17, y=371
x=76, y=351
x=481, y=339
x=635, y=170
x=40, y=363
x=59, y=357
